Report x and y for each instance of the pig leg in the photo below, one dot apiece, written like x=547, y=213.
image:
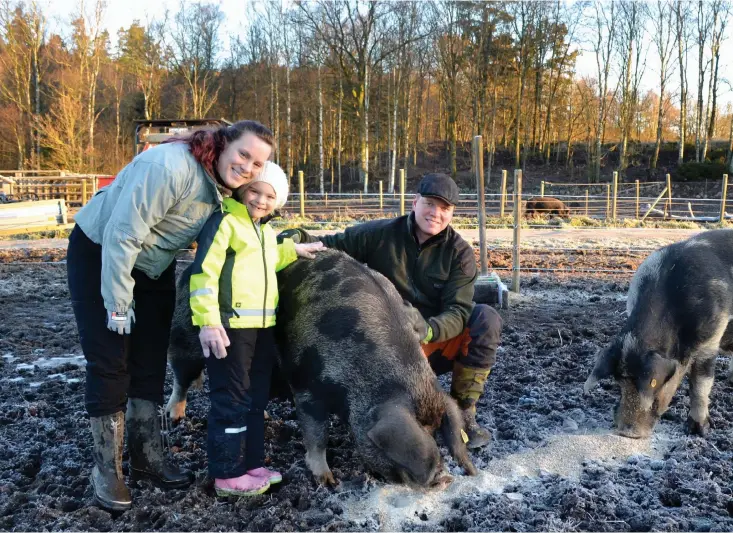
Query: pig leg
x=313, y=418
x=701, y=382
x=185, y=373
x=730, y=370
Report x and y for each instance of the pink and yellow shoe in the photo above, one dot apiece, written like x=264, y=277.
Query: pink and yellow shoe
x=246, y=485
x=265, y=473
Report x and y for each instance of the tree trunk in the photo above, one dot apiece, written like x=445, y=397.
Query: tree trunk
x=288, y=123
x=321, y=168
x=341, y=102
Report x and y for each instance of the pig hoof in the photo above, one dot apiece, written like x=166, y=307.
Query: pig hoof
x=327, y=479
x=176, y=411
x=442, y=482
x=693, y=427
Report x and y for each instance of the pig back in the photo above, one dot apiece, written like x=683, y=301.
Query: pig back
x=342, y=328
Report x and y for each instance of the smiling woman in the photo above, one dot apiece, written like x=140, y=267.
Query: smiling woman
x=121, y=273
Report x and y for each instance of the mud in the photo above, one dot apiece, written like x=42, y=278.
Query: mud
x=553, y=464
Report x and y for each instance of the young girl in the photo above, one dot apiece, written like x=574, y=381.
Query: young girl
x=233, y=298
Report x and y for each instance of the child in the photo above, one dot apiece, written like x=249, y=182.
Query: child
x=234, y=298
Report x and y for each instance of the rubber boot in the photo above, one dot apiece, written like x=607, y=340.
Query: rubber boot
x=467, y=386
x=149, y=458
x=108, y=483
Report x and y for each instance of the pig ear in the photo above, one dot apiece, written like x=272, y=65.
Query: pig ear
x=451, y=427
x=400, y=437
x=661, y=370
x=606, y=363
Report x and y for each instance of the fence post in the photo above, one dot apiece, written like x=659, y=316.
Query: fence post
x=608, y=200
x=381, y=204
x=586, y=202
x=615, y=195
x=542, y=188
x=669, y=195
x=402, y=191
x=517, y=228
x=637, y=198
x=502, y=200
x=723, y=198
x=84, y=191
x=301, y=186
x=326, y=198
x=361, y=200
x=478, y=157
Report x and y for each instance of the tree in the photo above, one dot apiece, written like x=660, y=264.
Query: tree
x=143, y=57
x=194, y=54
x=663, y=38
x=23, y=33
x=603, y=46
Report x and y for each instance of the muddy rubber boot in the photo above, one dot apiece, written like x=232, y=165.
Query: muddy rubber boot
x=108, y=483
x=149, y=457
x=467, y=386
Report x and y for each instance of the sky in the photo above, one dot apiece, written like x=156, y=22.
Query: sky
x=121, y=13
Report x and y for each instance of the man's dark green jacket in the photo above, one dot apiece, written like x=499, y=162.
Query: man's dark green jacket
x=437, y=278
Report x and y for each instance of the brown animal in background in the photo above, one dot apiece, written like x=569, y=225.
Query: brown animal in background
x=545, y=205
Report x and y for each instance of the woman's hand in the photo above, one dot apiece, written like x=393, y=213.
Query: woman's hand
x=307, y=249
x=214, y=339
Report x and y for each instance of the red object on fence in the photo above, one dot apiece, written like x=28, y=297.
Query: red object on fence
x=103, y=181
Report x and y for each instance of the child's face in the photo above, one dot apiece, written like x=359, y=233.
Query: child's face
x=260, y=199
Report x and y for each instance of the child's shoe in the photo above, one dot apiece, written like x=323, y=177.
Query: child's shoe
x=246, y=485
x=265, y=473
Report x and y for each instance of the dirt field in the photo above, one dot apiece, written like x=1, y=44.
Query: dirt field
x=553, y=464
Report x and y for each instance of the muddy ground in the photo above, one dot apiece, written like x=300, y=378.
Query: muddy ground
x=552, y=466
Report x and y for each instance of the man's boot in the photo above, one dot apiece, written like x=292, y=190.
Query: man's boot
x=467, y=386
x=149, y=458
x=108, y=484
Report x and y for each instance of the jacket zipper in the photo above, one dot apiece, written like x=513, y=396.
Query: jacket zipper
x=260, y=237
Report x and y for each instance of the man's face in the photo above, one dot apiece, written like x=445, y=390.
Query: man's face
x=432, y=215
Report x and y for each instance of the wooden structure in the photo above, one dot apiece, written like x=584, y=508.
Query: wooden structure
x=41, y=215
x=74, y=189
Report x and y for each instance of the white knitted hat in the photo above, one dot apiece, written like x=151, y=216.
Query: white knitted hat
x=274, y=175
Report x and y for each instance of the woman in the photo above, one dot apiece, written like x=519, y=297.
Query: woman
x=121, y=271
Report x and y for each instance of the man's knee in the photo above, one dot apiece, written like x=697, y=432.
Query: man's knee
x=485, y=321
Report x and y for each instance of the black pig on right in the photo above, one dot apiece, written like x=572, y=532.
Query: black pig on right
x=679, y=308
x=349, y=348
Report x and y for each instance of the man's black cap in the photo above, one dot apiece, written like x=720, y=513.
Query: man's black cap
x=439, y=186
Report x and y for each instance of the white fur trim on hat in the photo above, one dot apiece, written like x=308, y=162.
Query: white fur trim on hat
x=274, y=175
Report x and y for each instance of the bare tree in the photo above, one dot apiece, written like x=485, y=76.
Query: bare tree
x=720, y=21
x=663, y=38
x=632, y=19
x=194, y=52
x=603, y=46
x=682, y=36
x=704, y=24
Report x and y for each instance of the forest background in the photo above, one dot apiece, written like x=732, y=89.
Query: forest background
x=356, y=89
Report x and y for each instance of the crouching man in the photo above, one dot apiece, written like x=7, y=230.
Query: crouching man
x=434, y=270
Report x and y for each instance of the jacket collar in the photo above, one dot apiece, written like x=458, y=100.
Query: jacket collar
x=237, y=208
x=440, y=238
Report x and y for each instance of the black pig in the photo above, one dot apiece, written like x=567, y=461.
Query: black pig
x=347, y=347
x=679, y=306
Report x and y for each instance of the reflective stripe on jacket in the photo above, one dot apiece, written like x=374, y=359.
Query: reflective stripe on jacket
x=233, y=280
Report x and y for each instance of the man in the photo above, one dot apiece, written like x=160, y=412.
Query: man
x=434, y=270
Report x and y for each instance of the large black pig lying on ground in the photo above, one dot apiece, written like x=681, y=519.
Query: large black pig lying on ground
x=346, y=348
x=679, y=306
